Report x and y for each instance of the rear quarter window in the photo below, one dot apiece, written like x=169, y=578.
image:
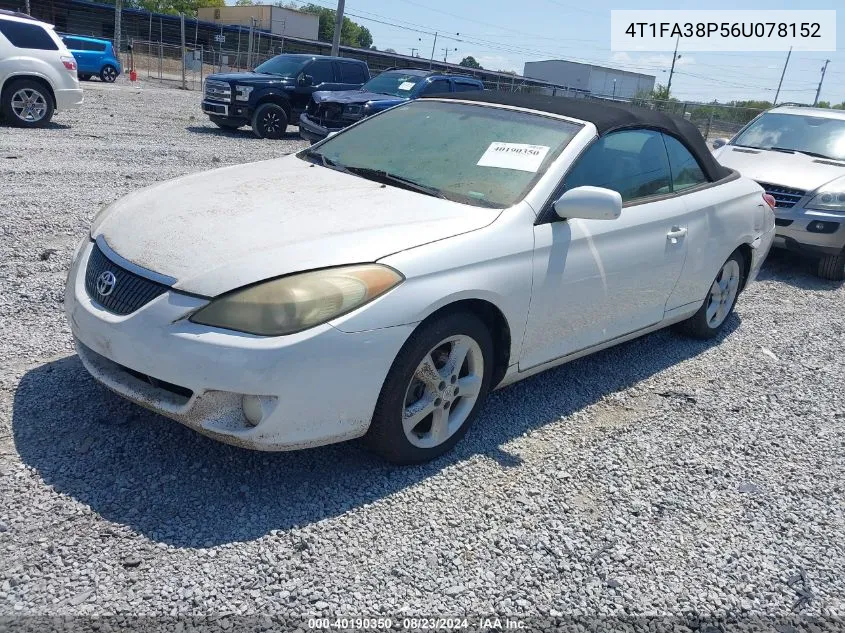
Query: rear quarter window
x=352, y=73
x=25, y=35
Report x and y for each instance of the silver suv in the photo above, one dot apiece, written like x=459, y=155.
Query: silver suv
x=37, y=72
x=797, y=154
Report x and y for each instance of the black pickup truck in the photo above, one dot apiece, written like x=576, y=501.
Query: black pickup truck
x=277, y=91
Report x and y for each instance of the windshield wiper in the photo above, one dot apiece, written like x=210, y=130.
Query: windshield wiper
x=325, y=162
x=381, y=175
x=800, y=151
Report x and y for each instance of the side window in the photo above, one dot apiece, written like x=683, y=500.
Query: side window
x=97, y=46
x=436, y=87
x=25, y=35
x=632, y=162
x=321, y=71
x=464, y=86
x=352, y=73
x=686, y=172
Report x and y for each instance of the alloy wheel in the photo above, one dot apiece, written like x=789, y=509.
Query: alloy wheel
x=271, y=123
x=29, y=105
x=109, y=74
x=723, y=294
x=443, y=391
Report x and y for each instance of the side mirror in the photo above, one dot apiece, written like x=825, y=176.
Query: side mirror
x=719, y=142
x=589, y=203
x=305, y=80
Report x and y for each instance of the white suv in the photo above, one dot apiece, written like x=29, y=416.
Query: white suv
x=37, y=72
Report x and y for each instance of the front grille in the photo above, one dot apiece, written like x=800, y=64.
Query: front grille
x=329, y=113
x=784, y=196
x=177, y=390
x=129, y=291
x=218, y=91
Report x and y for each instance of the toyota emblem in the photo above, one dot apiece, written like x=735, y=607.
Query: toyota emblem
x=106, y=283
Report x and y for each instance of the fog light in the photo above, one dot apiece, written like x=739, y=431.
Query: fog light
x=818, y=226
x=253, y=409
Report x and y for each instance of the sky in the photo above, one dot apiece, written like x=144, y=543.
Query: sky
x=504, y=34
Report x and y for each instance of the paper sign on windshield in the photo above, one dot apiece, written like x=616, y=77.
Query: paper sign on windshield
x=406, y=85
x=514, y=156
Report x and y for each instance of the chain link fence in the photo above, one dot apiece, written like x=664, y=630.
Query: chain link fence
x=165, y=47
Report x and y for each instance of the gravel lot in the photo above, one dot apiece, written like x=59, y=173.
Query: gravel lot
x=665, y=477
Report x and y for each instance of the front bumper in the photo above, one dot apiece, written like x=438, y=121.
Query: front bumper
x=312, y=388
x=312, y=131
x=793, y=232
x=234, y=112
x=68, y=98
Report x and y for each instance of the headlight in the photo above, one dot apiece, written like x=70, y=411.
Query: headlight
x=353, y=111
x=298, y=302
x=830, y=197
x=242, y=92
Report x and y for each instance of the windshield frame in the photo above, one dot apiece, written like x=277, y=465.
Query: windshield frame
x=303, y=61
x=418, y=80
x=312, y=155
x=737, y=141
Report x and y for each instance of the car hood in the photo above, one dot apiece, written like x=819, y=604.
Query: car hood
x=354, y=96
x=219, y=230
x=796, y=171
x=251, y=78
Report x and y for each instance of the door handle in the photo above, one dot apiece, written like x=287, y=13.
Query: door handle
x=675, y=234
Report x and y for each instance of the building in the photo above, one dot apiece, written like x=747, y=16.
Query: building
x=595, y=80
x=266, y=17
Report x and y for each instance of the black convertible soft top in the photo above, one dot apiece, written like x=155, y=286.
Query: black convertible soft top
x=607, y=117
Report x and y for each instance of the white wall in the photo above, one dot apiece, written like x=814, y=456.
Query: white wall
x=295, y=23
x=595, y=79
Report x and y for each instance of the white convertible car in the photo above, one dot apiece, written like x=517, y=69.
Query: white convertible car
x=382, y=282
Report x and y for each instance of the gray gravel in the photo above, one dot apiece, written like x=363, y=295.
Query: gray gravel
x=665, y=477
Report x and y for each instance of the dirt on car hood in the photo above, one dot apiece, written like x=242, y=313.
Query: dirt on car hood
x=222, y=229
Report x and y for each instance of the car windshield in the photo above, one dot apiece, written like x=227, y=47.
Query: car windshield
x=818, y=136
x=395, y=84
x=282, y=66
x=479, y=155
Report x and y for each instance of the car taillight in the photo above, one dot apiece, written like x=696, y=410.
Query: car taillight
x=69, y=62
x=769, y=199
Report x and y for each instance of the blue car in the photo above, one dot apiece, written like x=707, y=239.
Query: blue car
x=329, y=112
x=93, y=57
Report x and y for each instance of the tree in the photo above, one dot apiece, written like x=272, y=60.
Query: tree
x=244, y=3
x=351, y=33
x=823, y=104
x=469, y=62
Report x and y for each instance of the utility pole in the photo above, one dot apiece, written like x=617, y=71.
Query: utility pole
x=413, y=51
x=27, y=8
x=446, y=52
x=118, y=11
x=675, y=57
x=431, y=61
x=338, y=27
x=780, y=83
x=182, y=31
x=824, y=68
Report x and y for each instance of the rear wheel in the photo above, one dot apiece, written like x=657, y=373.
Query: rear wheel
x=108, y=73
x=832, y=267
x=434, y=390
x=720, y=300
x=27, y=103
x=269, y=121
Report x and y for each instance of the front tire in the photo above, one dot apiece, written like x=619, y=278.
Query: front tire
x=269, y=121
x=832, y=267
x=27, y=103
x=720, y=300
x=108, y=73
x=433, y=391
